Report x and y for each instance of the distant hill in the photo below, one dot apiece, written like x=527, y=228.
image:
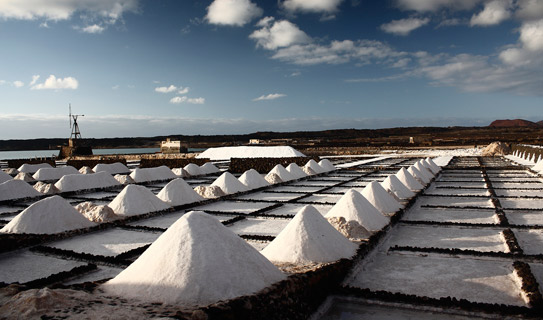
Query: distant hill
x=515, y=123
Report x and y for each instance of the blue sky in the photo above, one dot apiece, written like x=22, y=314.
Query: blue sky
x=160, y=67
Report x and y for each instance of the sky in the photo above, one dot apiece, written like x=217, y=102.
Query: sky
x=167, y=67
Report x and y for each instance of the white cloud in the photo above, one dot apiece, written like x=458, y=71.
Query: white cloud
x=403, y=27
x=93, y=29
x=271, y=96
x=18, y=84
x=57, y=83
x=434, y=5
x=232, y=12
x=182, y=90
x=529, y=9
x=171, y=88
x=179, y=100
x=531, y=35
x=34, y=80
x=278, y=34
x=494, y=12
x=318, y=6
x=196, y=100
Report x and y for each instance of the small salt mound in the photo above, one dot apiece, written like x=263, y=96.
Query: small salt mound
x=25, y=176
x=295, y=171
x=225, y=153
x=196, y=262
x=407, y=179
x=33, y=168
x=124, y=179
x=180, y=172
x=273, y=178
x=253, y=180
x=11, y=171
x=44, y=174
x=353, y=206
x=423, y=168
x=47, y=216
x=308, y=171
x=96, y=213
x=418, y=175
x=4, y=176
x=432, y=165
x=309, y=238
x=111, y=168
x=46, y=188
x=229, y=184
x=86, y=170
x=350, y=229
x=380, y=198
x=152, y=174
x=16, y=189
x=538, y=167
x=394, y=185
x=313, y=165
x=327, y=165
x=178, y=192
x=75, y=182
x=135, y=200
x=209, y=192
x=193, y=169
x=282, y=173
x=208, y=168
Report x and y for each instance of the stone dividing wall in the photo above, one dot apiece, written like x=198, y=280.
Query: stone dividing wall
x=170, y=163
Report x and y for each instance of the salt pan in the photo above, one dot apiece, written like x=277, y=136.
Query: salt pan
x=253, y=180
x=76, y=182
x=44, y=174
x=394, y=185
x=296, y=171
x=309, y=238
x=134, y=200
x=229, y=184
x=407, y=179
x=152, y=174
x=112, y=168
x=178, y=192
x=380, y=198
x=16, y=189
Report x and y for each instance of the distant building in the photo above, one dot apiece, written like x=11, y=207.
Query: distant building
x=170, y=146
x=254, y=141
x=411, y=140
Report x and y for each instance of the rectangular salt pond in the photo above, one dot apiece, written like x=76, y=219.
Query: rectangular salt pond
x=537, y=270
x=520, y=217
x=108, y=243
x=258, y=245
x=102, y=273
x=10, y=209
x=314, y=183
x=270, y=196
x=531, y=241
x=477, y=239
x=513, y=185
x=343, y=190
x=487, y=281
x=456, y=192
x=455, y=201
x=460, y=179
x=25, y=266
x=460, y=184
x=298, y=189
x=452, y=215
x=259, y=226
x=293, y=208
x=322, y=198
x=356, y=184
x=519, y=193
x=163, y=222
x=233, y=207
x=97, y=195
x=509, y=203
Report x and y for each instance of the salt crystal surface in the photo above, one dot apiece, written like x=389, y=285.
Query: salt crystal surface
x=432, y=165
x=538, y=166
x=225, y=153
x=308, y=171
x=407, y=179
x=327, y=165
x=394, y=185
x=11, y=171
x=229, y=184
x=124, y=179
x=16, y=189
x=424, y=171
x=196, y=262
x=380, y=198
x=313, y=165
x=96, y=213
x=193, y=169
x=152, y=174
x=208, y=168
x=442, y=160
x=296, y=171
x=112, y=168
x=46, y=188
x=350, y=229
x=86, y=170
x=178, y=192
x=209, y=192
x=4, y=176
x=181, y=172
x=134, y=200
x=47, y=216
x=54, y=173
x=282, y=173
x=25, y=176
x=272, y=178
x=309, y=238
x=75, y=182
x=253, y=180
x=32, y=168
x=353, y=206
x=418, y=175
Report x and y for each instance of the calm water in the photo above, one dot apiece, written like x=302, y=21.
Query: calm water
x=27, y=154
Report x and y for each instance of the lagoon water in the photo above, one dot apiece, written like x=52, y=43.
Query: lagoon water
x=28, y=154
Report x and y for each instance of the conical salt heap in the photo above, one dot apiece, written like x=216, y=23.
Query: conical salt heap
x=196, y=262
x=111, y=168
x=178, y=192
x=75, y=182
x=86, y=170
x=208, y=168
x=193, y=169
x=407, y=179
x=418, y=175
x=47, y=216
x=24, y=176
x=33, y=168
x=538, y=166
x=394, y=185
x=5, y=177
x=295, y=171
x=327, y=165
x=96, y=213
x=253, y=180
x=432, y=165
x=353, y=206
x=272, y=178
x=209, y=192
x=44, y=174
x=309, y=238
x=308, y=171
x=17, y=189
x=45, y=188
x=282, y=173
x=180, y=172
x=313, y=165
x=229, y=184
x=380, y=198
x=429, y=175
x=124, y=179
x=134, y=200
x=152, y=174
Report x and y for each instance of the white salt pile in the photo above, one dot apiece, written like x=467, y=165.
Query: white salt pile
x=429, y=175
x=209, y=192
x=432, y=165
x=124, y=179
x=407, y=179
x=196, y=262
x=296, y=171
x=350, y=229
x=11, y=171
x=44, y=174
x=229, y=184
x=178, y=192
x=308, y=171
x=538, y=166
x=272, y=178
x=33, y=168
x=253, y=180
x=134, y=200
x=46, y=188
x=25, y=176
x=47, y=216
x=180, y=172
x=208, y=168
x=193, y=169
x=395, y=186
x=96, y=213
x=313, y=165
x=17, y=189
x=442, y=161
x=75, y=182
x=415, y=173
x=111, y=168
x=4, y=176
x=309, y=238
x=380, y=198
x=152, y=174
x=353, y=206
x=282, y=173
x=86, y=170
x=327, y=165
x=225, y=153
